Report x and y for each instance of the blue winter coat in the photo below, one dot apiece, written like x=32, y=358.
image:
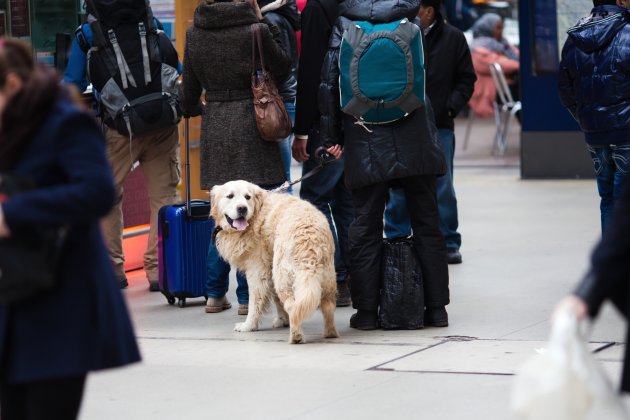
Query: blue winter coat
x=408, y=147
x=83, y=324
x=594, y=79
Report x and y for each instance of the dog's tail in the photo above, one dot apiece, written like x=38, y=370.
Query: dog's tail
x=307, y=293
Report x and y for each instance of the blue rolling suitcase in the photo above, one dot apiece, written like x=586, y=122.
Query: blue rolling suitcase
x=184, y=234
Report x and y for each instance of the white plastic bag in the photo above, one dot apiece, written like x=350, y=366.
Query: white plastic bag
x=564, y=382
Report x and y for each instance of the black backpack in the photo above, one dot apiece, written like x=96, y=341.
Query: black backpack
x=133, y=66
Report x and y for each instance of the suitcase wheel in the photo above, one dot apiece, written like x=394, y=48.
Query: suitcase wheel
x=182, y=302
x=171, y=300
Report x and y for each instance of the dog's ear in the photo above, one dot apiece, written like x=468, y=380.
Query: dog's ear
x=258, y=197
x=214, y=193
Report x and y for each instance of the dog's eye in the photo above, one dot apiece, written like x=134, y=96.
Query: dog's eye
x=230, y=196
x=247, y=196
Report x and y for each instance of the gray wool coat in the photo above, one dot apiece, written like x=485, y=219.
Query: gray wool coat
x=218, y=59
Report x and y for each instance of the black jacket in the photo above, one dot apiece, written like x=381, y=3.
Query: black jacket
x=609, y=276
x=405, y=148
x=450, y=73
x=317, y=19
x=286, y=19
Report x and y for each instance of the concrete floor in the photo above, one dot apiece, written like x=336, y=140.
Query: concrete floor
x=525, y=245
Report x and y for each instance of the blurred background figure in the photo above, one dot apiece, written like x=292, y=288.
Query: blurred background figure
x=51, y=340
x=489, y=46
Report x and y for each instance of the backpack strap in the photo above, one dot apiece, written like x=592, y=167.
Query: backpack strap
x=145, y=53
x=125, y=74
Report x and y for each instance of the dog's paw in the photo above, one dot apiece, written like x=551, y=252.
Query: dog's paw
x=332, y=333
x=280, y=322
x=244, y=327
x=296, y=338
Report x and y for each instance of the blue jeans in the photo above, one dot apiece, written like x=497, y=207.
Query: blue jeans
x=611, y=165
x=397, y=222
x=326, y=191
x=218, y=279
x=285, y=145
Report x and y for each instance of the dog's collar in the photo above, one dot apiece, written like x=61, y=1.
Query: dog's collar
x=216, y=230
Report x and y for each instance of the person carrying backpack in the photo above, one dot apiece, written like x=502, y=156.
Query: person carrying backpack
x=133, y=68
x=388, y=140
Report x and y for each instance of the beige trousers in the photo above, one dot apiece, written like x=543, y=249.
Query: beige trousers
x=158, y=155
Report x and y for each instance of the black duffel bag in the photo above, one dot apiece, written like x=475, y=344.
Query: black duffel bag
x=402, y=294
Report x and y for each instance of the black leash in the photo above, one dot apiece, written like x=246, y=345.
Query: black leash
x=322, y=157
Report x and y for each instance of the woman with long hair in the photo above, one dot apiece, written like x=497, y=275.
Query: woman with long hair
x=50, y=340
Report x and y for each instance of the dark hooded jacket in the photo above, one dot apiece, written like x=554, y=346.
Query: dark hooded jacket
x=407, y=147
x=594, y=80
x=287, y=19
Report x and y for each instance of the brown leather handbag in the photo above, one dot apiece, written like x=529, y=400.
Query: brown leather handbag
x=272, y=118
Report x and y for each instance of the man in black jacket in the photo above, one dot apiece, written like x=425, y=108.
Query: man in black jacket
x=450, y=82
x=326, y=190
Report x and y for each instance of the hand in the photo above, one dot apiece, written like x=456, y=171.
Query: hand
x=4, y=229
x=573, y=304
x=298, y=149
x=336, y=151
x=254, y=4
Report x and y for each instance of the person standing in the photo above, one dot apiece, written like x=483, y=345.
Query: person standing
x=51, y=340
x=594, y=86
x=403, y=153
x=218, y=60
x=286, y=18
x=155, y=150
x=450, y=81
x=326, y=190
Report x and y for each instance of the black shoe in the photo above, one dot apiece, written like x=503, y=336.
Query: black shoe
x=123, y=282
x=364, y=320
x=154, y=286
x=435, y=317
x=453, y=256
x=343, y=294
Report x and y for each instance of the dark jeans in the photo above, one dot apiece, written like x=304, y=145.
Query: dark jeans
x=611, y=164
x=366, y=239
x=326, y=191
x=397, y=217
x=58, y=399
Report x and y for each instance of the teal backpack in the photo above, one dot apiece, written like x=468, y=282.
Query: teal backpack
x=381, y=71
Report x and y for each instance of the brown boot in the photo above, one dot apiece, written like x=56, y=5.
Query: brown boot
x=215, y=305
x=243, y=308
x=343, y=294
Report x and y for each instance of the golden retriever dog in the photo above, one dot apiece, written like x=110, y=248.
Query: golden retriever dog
x=285, y=248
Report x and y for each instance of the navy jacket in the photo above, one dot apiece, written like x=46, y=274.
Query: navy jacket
x=594, y=79
x=83, y=324
x=408, y=147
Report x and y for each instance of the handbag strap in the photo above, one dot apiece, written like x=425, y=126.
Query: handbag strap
x=257, y=46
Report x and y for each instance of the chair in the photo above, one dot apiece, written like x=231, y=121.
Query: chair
x=505, y=108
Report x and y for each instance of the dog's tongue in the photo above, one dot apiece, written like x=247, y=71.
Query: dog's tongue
x=240, y=224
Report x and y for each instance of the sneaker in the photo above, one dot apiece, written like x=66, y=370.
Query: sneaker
x=364, y=320
x=214, y=305
x=243, y=308
x=154, y=286
x=123, y=282
x=343, y=294
x=453, y=256
x=436, y=317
